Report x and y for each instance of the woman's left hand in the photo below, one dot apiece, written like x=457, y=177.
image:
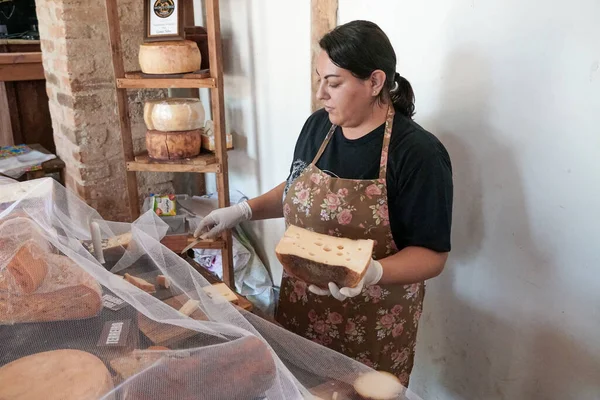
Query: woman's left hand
x=372, y=276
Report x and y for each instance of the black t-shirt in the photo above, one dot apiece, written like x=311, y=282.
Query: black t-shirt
x=419, y=174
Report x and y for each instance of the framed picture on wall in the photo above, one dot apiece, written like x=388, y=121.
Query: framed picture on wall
x=163, y=20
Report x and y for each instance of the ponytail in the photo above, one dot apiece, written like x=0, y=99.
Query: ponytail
x=402, y=96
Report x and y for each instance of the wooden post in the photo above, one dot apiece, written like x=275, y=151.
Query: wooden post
x=323, y=19
x=215, y=51
x=114, y=33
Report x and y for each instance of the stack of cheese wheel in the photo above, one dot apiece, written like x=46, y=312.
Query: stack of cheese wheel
x=174, y=128
x=170, y=57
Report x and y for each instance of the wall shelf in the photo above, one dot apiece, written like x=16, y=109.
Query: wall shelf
x=205, y=163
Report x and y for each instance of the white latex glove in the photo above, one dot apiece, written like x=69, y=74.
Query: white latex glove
x=372, y=276
x=222, y=219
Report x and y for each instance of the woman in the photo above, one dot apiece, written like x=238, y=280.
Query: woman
x=362, y=169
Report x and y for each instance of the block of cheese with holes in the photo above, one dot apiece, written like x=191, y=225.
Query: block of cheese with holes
x=174, y=114
x=319, y=259
x=169, y=57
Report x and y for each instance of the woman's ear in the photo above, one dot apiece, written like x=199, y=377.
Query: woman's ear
x=377, y=81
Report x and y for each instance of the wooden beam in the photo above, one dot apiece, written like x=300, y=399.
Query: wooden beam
x=213, y=28
x=21, y=58
x=188, y=13
x=6, y=131
x=114, y=34
x=21, y=72
x=323, y=19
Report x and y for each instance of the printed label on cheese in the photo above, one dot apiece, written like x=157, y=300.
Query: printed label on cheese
x=114, y=333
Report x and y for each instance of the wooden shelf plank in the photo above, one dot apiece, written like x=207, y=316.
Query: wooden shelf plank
x=166, y=83
x=200, y=74
x=205, y=162
x=21, y=58
x=176, y=243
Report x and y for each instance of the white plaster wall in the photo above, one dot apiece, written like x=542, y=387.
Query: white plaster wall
x=267, y=96
x=512, y=88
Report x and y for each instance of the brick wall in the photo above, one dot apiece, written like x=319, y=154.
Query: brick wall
x=80, y=86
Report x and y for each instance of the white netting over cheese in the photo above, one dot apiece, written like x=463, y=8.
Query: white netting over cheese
x=141, y=325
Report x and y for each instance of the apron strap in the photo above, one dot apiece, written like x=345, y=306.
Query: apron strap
x=389, y=122
x=324, y=144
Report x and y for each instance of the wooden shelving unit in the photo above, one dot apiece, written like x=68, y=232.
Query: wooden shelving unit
x=205, y=163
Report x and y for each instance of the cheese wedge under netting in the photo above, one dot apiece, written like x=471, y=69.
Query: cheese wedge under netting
x=181, y=340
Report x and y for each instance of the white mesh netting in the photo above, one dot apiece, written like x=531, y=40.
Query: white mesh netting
x=63, y=335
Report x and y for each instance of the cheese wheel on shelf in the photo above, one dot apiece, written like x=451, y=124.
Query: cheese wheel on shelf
x=55, y=375
x=319, y=259
x=173, y=145
x=170, y=57
x=174, y=114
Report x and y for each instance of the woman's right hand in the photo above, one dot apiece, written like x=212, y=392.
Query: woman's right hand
x=222, y=219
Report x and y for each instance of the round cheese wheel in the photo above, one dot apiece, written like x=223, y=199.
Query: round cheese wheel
x=378, y=385
x=55, y=375
x=174, y=114
x=173, y=145
x=171, y=57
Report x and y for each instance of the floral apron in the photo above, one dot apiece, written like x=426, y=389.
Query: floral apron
x=379, y=326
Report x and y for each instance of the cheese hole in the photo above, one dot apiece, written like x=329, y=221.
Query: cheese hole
x=327, y=248
x=341, y=247
x=319, y=244
x=311, y=254
x=359, y=249
x=347, y=259
x=340, y=254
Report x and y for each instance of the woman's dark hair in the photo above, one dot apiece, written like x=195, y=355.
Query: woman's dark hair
x=361, y=47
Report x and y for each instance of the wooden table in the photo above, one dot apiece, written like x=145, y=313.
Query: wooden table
x=48, y=167
x=162, y=334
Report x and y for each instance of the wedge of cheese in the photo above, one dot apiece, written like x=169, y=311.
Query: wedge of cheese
x=319, y=259
x=67, y=293
x=220, y=289
x=141, y=283
x=28, y=266
x=114, y=247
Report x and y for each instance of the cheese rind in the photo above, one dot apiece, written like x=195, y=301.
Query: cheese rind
x=319, y=259
x=169, y=57
x=28, y=267
x=189, y=307
x=174, y=114
x=55, y=375
x=247, y=361
x=163, y=281
x=173, y=145
x=67, y=293
x=140, y=283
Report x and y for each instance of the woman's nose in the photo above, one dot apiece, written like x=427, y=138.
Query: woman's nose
x=321, y=92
